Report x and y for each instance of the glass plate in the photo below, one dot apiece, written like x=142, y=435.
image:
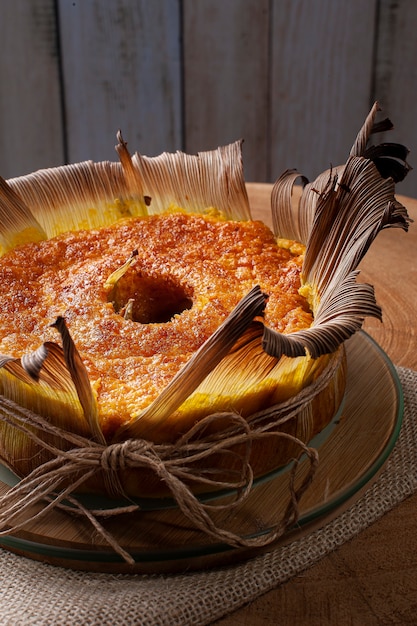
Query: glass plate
x=351, y=454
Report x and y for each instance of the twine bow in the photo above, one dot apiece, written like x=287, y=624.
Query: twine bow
x=56, y=481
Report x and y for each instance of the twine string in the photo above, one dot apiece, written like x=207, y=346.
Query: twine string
x=75, y=460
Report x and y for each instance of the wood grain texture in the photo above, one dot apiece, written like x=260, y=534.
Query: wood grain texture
x=121, y=70
x=293, y=78
x=31, y=132
x=396, y=75
x=321, y=73
x=226, y=78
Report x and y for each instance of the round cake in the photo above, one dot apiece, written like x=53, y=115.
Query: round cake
x=178, y=314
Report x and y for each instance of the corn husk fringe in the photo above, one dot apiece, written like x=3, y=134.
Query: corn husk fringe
x=337, y=217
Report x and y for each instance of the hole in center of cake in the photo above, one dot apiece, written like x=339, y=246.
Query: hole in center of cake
x=149, y=299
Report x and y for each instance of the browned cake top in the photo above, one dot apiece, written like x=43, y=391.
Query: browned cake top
x=190, y=271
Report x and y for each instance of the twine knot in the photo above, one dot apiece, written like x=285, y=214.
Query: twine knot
x=120, y=456
x=114, y=455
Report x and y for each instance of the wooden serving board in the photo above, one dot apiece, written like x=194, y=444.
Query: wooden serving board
x=163, y=539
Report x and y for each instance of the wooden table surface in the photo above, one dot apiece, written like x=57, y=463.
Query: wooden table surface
x=373, y=578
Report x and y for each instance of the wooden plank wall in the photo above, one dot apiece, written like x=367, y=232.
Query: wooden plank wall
x=294, y=78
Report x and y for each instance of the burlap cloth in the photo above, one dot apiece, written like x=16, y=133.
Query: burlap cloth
x=36, y=593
